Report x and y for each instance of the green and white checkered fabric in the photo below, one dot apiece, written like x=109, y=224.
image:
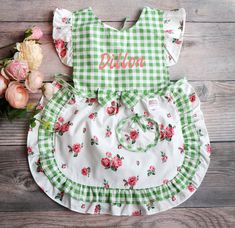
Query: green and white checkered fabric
x=91, y=38
x=114, y=195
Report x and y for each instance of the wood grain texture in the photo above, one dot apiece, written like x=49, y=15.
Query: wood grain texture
x=205, y=54
x=217, y=101
x=177, y=218
x=200, y=10
x=19, y=192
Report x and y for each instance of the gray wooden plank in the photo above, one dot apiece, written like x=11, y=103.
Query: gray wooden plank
x=210, y=10
x=19, y=192
x=205, y=54
x=177, y=218
x=217, y=102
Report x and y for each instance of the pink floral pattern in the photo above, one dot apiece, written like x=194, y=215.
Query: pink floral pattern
x=151, y=170
x=91, y=101
x=191, y=188
x=30, y=150
x=132, y=136
x=131, y=181
x=60, y=196
x=93, y=115
x=192, y=97
x=106, y=184
x=113, y=109
x=75, y=148
x=86, y=171
x=61, y=127
x=94, y=140
x=97, y=209
x=39, y=166
x=108, y=132
x=136, y=213
x=166, y=133
x=112, y=163
x=164, y=157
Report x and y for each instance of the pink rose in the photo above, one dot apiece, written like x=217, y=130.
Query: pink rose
x=173, y=198
x=111, y=110
x=169, y=132
x=120, y=146
x=92, y=116
x=76, y=147
x=29, y=150
x=61, y=119
x=134, y=134
x=34, y=33
x=132, y=180
x=116, y=162
x=57, y=126
x=97, y=209
x=16, y=95
x=59, y=44
x=63, y=53
x=58, y=85
x=65, y=127
x=34, y=81
x=162, y=135
x=84, y=171
x=105, y=162
x=17, y=70
x=108, y=133
x=93, y=100
x=3, y=85
x=136, y=213
x=164, y=158
x=108, y=154
x=191, y=188
x=150, y=124
x=192, y=97
x=152, y=168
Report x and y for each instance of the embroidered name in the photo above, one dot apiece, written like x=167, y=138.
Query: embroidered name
x=108, y=60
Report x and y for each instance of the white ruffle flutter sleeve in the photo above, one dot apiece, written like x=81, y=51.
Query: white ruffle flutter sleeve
x=174, y=26
x=62, y=35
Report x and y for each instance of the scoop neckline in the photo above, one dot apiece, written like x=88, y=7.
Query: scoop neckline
x=108, y=27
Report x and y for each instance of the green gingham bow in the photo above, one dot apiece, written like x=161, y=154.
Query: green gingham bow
x=139, y=120
x=129, y=98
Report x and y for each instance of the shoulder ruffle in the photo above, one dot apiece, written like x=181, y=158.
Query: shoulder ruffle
x=174, y=26
x=62, y=35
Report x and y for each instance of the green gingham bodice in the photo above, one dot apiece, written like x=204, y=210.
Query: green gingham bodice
x=110, y=61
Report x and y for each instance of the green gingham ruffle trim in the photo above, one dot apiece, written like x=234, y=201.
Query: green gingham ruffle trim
x=115, y=195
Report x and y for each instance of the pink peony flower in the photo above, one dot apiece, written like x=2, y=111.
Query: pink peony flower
x=134, y=134
x=34, y=81
x=17, y=69
x=16, y=95
x=48, y=90
x=105, y=162
x=76, y=147
x=3, y=85
x=34, y=33
x=116, y=162
x=132, y=181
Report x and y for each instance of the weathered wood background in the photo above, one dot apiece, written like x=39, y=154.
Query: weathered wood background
x=207, y=60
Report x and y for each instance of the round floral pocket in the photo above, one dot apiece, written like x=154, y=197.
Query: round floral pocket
x=137, y=133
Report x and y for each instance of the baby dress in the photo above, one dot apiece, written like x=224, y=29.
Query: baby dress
x=123, y=140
